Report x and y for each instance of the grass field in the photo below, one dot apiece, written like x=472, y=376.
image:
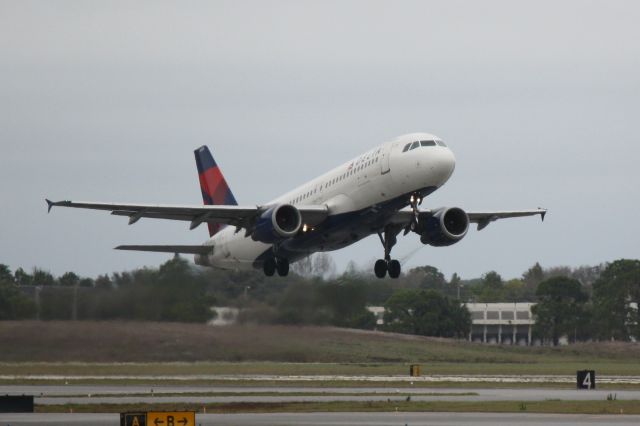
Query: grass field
x=302, y=369
x=152, y=349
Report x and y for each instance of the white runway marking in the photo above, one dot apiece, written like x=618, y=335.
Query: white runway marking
x=320, y=378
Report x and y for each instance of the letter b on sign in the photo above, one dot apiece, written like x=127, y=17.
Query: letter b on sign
x=586, y=379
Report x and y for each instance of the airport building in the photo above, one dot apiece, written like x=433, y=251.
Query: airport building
x=504, y=323
x=507, y=323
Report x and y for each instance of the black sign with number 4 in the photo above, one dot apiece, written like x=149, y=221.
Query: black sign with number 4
x=586, y=379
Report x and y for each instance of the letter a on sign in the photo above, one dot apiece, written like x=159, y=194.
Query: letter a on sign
x=133, y=419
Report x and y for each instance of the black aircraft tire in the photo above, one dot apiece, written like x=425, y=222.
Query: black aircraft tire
x=394, y=268
x=283, y=267
x=380, y=268
x=269, y=267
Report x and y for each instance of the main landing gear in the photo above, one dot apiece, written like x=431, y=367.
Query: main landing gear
x=392, y=266
x=273, y=264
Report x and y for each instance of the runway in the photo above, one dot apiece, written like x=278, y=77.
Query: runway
x=234, y=378
x=110, y=394
x=338, y=419
x=96, y=394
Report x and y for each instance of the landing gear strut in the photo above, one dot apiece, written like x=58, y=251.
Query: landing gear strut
x=273, y=264
x=392, y=266
x=414, y=201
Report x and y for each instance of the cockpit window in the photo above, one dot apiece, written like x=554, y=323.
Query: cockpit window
x=414, y=145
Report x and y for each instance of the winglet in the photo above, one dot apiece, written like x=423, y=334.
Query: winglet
x=543, y=213
x=49, y=204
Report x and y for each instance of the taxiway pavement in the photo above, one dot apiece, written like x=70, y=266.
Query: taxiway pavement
x=336, y=419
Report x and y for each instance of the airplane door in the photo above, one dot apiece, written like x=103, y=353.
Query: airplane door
x=384, y=161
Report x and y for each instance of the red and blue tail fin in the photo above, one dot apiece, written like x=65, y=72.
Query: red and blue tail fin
x=215, y=190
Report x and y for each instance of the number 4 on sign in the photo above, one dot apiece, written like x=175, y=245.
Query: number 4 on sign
x=587, y=381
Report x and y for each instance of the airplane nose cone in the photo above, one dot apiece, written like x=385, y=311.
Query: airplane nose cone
x=443, y=165
x=451, y=163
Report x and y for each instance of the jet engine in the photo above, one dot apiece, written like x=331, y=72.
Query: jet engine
x=277, y=223
x=444, y=227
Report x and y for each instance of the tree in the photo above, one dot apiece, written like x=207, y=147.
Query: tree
x=323, y=265
x=491, y=288
x=587, y=275
x=182, y=293
x=514, y=291
x=346, y=304
x=14, y=304
x=351, y=269
x=558, y=271
x=531, y=278
x=560, y=308
x=69, y=279
x=303, y=267
x=426, y=313
x=22, y=277
x=43, y=278
x=5, y=274
x=428, y=278
x=455, y=284
x=86, y=282
x=320, y=264
x=613, y=294
x=103, y=281
x=298, y=305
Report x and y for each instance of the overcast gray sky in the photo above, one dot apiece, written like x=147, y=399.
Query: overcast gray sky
x=105, y=101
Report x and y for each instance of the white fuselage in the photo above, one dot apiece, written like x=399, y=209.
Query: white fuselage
x=379, y=175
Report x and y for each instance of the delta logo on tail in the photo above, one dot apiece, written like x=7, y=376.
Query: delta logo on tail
x=215, y=190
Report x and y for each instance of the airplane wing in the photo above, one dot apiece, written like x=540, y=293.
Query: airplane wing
x=201, y=249
x=483, y=219
x=239, y=216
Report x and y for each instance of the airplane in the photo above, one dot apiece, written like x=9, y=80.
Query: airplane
x=378, y=192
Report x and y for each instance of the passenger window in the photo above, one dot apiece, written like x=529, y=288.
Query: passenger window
x=415, y=145
x=406, y=147
x=427, y=143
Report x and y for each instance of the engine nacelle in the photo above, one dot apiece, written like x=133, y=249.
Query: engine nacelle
x=444, y=227
x=278, y=223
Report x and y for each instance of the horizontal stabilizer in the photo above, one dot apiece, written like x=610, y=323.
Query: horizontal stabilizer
x=171, y=249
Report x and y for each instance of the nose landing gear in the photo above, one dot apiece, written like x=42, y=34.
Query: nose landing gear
x=414, y=201
x=392, y=266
